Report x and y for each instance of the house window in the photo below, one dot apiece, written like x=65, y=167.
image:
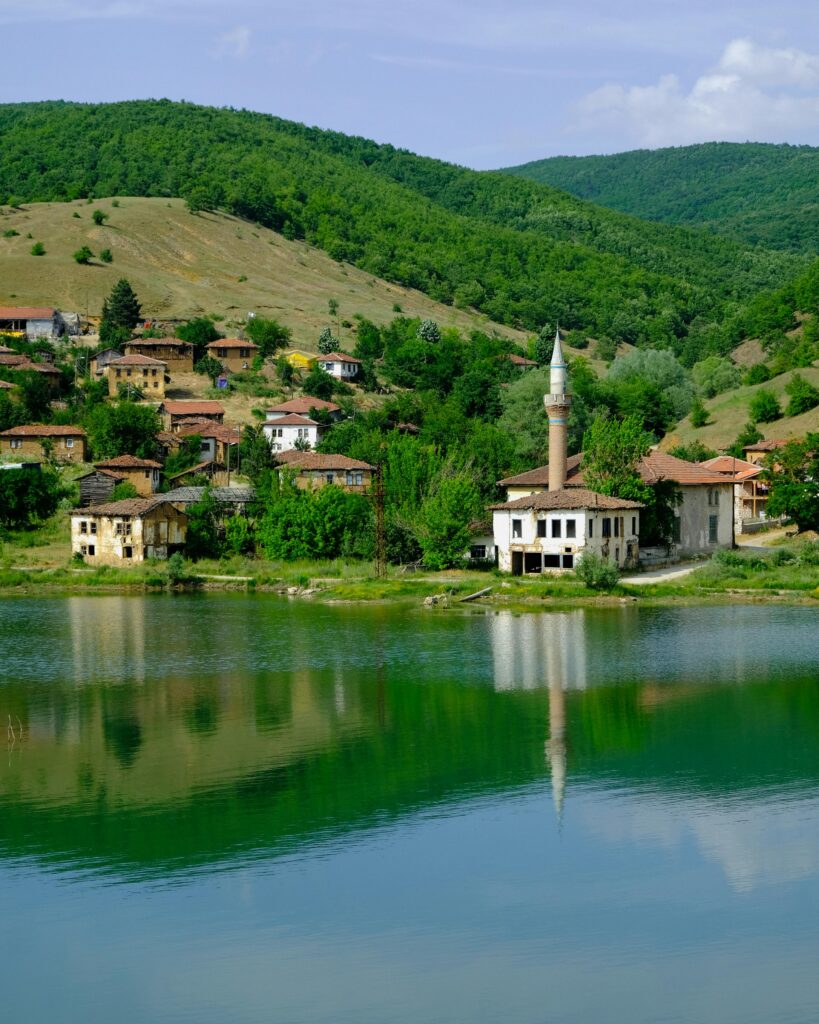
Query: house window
x=713, y=496
x=571, y=528
x=477, y=551
x=93, y=527
x=118, y=373
x=92, y=549
x=329, y=477
x=541, y=527
x=634, y=525
x=557, y=528
x=568, y=561
x=517, y=527
x=591, y=527
x=713, y=522
x=83, y=526
x=83, y=549
x=606, y=526
x=616, y=526
x=69, y=442
x=676, y=530
x=551, y=561
x=16, y=442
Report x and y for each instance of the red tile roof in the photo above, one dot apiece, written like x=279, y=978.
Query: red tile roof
x=43, y=430
x=231, y=343
x=157, y=343
x=4, y=384
x=320, y=461
x=513, y=357
x=293, y=421
x=126, y=507
x=538, y=477
x=302, y=405
x=727, y=465
x=336, y=357
x=654, y=467
x=12, y=358
x=6, y=351
x=128, y=462
x=182, y=408
x=26, y=312
x=574, y=498
x=207, y=428
x=135, y=359
x=764, y=446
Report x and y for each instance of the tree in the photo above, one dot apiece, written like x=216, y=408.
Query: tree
x=544, y=345
x=698, y=413
x=597, y=573
x=714, y=375
x=654, y=369
x=757, y=374
x=326, y=523
x=122, y=429
x=99, y=217
x=612, y=451
x=106, y=256
x=38, y=249
x=35, y=395
x=369, y=343
x=803, y=395
x=27, y=496
x=444, y=518
x=268, y=334
x=319, y=383
x=792, y=474
x=120, y=313
x=83, y=255
x=198, y=332
x=255, y=456
x=764, y=407
x=238, y=535
x=208, y=367
x=749, y=434
x=429, y=331
x=202, y=540
x=122, y=491
x=327, y=342
x=694, y=451
x=284, y=371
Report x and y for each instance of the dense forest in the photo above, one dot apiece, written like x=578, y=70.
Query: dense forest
x=523, y=253
x=752, y=192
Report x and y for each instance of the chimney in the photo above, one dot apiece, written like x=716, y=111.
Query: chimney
x=558, y=404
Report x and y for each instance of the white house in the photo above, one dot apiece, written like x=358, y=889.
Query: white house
x=31, y=321
x=337, y=364
x=284, y=433
x=549, y=530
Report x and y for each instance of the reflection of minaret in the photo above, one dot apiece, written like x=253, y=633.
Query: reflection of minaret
x=556, y=744
x=558, y=404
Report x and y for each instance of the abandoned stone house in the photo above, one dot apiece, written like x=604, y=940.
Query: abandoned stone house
x=129, y=531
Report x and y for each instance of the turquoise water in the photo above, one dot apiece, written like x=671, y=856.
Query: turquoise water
x=244, y=809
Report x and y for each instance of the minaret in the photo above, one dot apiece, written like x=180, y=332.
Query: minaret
x=558, y=403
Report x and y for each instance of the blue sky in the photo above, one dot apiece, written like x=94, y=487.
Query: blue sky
x=480, y=82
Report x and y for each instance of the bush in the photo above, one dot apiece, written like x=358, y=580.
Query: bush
x=107, y=256
x=757, y=374
x=699, y=414
x=803, y=395
x=38, y=249
x=764, y=407
x=83, y=255
x=597, y=573
x=122, y=491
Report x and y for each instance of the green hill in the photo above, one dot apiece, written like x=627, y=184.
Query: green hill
x=753, y=192
x=522, y=253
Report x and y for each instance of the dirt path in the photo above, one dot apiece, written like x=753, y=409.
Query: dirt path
x=662, y=575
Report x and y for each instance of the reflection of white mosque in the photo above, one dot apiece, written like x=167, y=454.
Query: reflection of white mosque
x=544, y=651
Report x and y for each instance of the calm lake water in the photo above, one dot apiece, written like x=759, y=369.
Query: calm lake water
x=240, y=809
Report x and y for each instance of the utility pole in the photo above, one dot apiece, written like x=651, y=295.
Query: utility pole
x=380, y=522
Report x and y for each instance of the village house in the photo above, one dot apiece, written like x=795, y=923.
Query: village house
x=5, y=386
x=39, y=441
x=143, y=474
x=215, y=472
x=175, y=354
x=307, y=406
x=173, y=412
x=31, y=322
x=136, y=375
x=233, y=353
x=481, y=541
x=339, y=365
x=218, y=442
x=230, y=500
x=286, y=433
x=299, y=359
x=129, y=531
x=96, y=486
x=101, y=360
x=520, y=362
x=750, y=493
x=310, y=470
x=757, y=452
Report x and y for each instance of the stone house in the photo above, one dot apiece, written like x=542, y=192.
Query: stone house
x=233, y=353
x=129, y=531
x=173, y=412
x=36, y=441
x=311, y=470
x=285, y=433
x=219, y=442
x=548, y=530
x=142, y=473
x=339, y=365
x=175, y=354
x=143, y=373
x=31, y=321
x=99, y=362
x=756, y=453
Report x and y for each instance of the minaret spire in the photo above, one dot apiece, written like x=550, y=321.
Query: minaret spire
x=558, y=405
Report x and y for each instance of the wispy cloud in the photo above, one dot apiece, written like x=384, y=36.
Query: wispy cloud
x=234, y=43
x=753, y=92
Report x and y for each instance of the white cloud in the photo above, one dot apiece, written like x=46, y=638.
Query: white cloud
x=753, y=92
x=235, y=43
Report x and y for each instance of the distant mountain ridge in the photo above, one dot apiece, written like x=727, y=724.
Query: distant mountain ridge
x=522, y=253
x=753, y=192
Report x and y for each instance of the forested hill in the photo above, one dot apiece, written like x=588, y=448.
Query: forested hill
x=753, y=192
x=521, y=252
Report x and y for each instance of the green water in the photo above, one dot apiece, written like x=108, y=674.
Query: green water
x=244, y=809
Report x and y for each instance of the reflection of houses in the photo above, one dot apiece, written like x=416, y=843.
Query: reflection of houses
x=128, y=531
x=38, y=440
x=311, y=470
x=750, y=493
x=534, y=652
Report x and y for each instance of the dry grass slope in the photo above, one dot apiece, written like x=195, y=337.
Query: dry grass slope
x=183, y=265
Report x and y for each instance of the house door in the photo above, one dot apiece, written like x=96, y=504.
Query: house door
x=517, y=563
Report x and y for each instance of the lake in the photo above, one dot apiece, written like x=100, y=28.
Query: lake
x=240, y=808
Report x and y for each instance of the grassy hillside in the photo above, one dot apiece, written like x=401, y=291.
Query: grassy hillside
x=522, y=253
x=183, y=265
x=728, y=414
x=749, y=191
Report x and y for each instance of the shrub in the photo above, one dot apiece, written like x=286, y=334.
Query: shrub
x=83, y=255
x=757, y=374
x=122, y=491
x=99, y=217
x=764, y=407
x=38, y=249
x=177, y=573
x=699, y=414
x=803, y=395
x=107, y=256
x=597, y=573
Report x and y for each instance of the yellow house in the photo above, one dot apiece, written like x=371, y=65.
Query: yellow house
x=37, y=441
x=140, y=373
x=300, y=360
x=124, y=532
x=233, y=353
x=142, y=473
